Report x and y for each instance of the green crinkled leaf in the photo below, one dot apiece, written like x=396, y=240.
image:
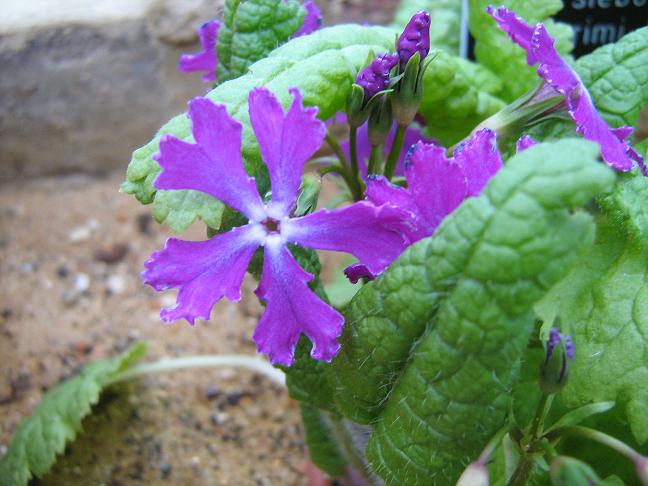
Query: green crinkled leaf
x=458, y=95
x=627, y=206
x=604, y=301
x=253, y=28
x=497, y=52
x=446, y=19
x=322, y=447
x=431, y=349
x=617, y=77
x=57, y=419
x=178, y=209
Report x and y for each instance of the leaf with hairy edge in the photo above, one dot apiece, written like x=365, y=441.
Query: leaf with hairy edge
x=431, y=349
x=604, y=301
x=181, y=208
x=617, y=77
x=253, y=28
x=446, y=20
x=322, y=447
x=457, y=95
x=498, y=53
x=57, y=419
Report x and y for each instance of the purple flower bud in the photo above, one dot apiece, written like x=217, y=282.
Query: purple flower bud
x=555, y=368
x=415, y=37
x=375, y=77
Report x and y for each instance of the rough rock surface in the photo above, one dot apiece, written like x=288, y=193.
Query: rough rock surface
x=82, y=85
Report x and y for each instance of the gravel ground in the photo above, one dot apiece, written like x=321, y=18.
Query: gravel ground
x=71, y=250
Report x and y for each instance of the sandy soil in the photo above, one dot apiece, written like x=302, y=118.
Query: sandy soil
x=71, y=250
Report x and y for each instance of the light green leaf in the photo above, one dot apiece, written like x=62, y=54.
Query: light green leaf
x=458, y=95
x=446, y=19
x=497, y=52
x=603, y=301
x=179, y=209
x=253, y=28
x=322, y=447
x=430, y=350
x=627, y=205
x=617, y=77
x=57, y=419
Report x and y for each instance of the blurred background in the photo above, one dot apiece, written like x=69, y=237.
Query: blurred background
x=83, y=84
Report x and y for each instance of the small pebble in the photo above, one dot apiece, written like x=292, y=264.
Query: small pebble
x=144, y=221
x=111, y=253
x=211, y=392
x=63, y=271
x=83, y=233
x=165, y=469
x=115, y=285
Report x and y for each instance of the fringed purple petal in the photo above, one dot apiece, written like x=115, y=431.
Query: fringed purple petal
x=292, y=309
x=479, y=160
x=524, y=143
x=357, y=271
x=287, y=141
x=205, y=60
x=558, y=74
x=371, y=234
x=437, y=184
x=517, y=29
x=415, y=38
x=203, y=271
x=213, y=164
x=312, y=20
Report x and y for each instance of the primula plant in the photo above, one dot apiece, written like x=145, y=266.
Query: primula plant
x=494, y=326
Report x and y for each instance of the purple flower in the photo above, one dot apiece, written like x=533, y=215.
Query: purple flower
x=375, y=77
x=539, y=46
x=312, y=20
x=206, y=271
x=205, y=60
x=436, y=186
x=415, y=38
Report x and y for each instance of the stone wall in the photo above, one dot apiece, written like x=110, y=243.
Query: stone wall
x=84, y=83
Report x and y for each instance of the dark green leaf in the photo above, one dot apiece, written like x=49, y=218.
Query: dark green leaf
x=322, y=447
x=431, y=349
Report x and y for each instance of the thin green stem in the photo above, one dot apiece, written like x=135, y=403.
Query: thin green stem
x=395, y=151
x=525, y=466
x=347, y=173
x=492, y=445
x=343, y=438
x=232, y=360
x=602, y=438
x=335, y=146
x=356, y=190
x=375, y=160
x=540, y=414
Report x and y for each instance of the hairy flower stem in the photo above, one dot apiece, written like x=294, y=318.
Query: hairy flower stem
x=396, y=148
x=344, y=439
x=375, y=160
x=602, y=438
x=352, y=182
x=525, y=466
x=356, y=190
x=232, y=360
